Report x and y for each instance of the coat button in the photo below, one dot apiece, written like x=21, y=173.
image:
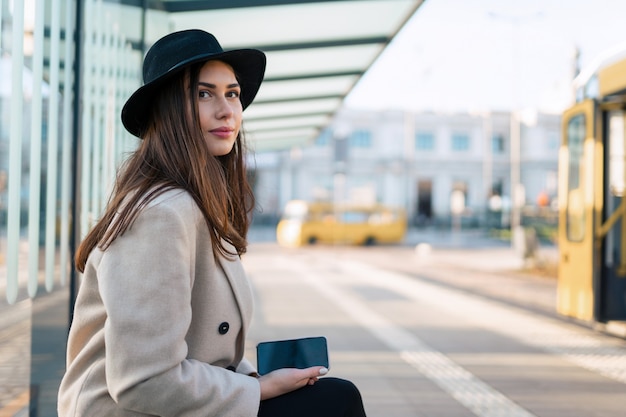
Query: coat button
x=223, y=329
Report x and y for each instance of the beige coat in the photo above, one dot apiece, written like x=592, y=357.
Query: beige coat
x=157, y=322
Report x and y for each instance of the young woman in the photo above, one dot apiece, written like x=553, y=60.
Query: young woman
x=164, y=306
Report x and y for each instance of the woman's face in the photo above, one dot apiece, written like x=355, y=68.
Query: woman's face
x=219, y=106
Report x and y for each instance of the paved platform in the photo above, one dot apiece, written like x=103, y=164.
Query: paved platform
x=446, y=325
x=458, y=331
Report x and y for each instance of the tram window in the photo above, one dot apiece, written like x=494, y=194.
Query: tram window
x=575, y=225
x=616, y=153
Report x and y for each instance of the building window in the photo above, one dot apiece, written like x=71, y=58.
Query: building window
x=553, y=141
x=361, y=139
x=424, y=141
x=497, y=144
x=324, y=138
x=460, y=142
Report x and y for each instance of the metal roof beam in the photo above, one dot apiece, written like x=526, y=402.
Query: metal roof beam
x=324, y=44
x=195, y=5
x=259, y=130
x=315, y=75
x=336, y=43
x=298, y=98
x=289, y=116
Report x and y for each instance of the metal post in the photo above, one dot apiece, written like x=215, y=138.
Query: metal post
x=515, y=148
x=77, y=37
x=515, y=172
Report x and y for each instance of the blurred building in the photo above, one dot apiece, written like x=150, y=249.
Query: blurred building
x=433, y=165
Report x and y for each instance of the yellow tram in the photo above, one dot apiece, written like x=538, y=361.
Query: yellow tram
x=592, y=204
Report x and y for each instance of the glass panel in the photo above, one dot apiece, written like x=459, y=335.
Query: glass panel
x=33, y=48
x=13, y=158
x=36, y=149
x=575, y=223
x=617, y=155
x=36, y=73
x=290, y=122
x=327, y=106
x=354, y=217
x=320, y=60
x=110, y=74
x=297, y=50
x=295, y=134
x=54, y=151
x=374, y=18
x=304, y=88
x=16, y=114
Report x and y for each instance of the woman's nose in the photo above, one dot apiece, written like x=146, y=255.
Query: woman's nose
x=224, y=108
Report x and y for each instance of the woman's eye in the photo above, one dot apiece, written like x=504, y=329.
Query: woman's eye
x=203, y=94
x=233, y=94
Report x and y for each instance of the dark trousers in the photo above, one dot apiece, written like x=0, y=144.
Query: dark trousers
x=328, y=397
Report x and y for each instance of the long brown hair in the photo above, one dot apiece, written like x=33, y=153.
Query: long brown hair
x=174, y=154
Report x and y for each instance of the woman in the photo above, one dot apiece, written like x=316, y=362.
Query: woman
x=164, y=305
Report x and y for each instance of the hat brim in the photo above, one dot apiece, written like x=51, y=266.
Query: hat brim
x=249, y=67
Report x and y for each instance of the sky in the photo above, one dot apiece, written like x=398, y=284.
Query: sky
x=491, y=55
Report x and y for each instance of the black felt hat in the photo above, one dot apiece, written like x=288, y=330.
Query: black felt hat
x=172, y=53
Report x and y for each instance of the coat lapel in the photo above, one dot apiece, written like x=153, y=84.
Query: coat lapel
x=233, y=269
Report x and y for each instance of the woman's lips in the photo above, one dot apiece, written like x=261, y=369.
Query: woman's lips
x=222, y=132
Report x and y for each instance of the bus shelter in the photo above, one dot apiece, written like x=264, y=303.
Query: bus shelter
x=67, y=67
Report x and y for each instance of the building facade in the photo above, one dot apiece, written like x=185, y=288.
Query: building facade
x=433, y=165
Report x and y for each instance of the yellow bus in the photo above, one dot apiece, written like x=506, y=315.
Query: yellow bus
x=305, y=223
x=592, y=207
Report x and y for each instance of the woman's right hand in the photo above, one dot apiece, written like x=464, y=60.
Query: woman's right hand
x=282, y=381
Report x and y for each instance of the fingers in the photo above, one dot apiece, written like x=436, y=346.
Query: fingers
x=285, y=380
x=316, y=371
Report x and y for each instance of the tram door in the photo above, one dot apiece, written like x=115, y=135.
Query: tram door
x=611, y=286
x=577, y=160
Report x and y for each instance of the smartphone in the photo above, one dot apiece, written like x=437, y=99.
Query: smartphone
x=293, y=353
